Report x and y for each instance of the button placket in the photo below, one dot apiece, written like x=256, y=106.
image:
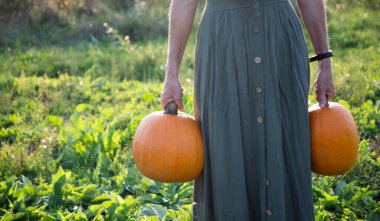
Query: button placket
x=258, y=62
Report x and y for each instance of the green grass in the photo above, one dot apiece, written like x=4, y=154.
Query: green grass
x=68, y=112
x=86, y=127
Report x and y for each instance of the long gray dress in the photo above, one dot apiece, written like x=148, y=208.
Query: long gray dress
x=251, y=84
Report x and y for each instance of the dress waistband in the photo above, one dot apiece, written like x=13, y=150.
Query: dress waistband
x=217, y=5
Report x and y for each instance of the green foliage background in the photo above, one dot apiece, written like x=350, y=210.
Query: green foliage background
x=73, y=89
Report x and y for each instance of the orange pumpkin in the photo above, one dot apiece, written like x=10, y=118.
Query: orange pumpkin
x=168, y=146
x=334, y=139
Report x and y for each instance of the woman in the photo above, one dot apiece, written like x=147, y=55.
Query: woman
x=251, y=84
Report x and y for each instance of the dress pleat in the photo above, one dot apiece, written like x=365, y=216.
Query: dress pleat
x=251, y=84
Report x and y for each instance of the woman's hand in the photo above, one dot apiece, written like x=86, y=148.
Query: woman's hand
x=172, y=90
x=324, y=84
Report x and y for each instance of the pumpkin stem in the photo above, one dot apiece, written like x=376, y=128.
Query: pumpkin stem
x=171, y=108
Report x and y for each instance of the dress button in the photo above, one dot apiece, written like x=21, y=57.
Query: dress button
x=259, y=89
x=256, y=29
x=260, y=119
x=267, y=182
x=257, y=60
x=269, y=212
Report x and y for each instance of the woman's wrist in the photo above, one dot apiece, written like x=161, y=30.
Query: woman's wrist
x=171, y=70
x=325, y=66
x=325, y=62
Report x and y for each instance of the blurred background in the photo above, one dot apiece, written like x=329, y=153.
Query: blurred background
x=76, y=78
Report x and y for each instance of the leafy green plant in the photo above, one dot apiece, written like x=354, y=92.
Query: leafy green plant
x=68, y=113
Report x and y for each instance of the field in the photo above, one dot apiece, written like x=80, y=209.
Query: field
x=71, y=98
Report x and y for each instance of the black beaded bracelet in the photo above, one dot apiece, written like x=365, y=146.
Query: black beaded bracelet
x=321, y=56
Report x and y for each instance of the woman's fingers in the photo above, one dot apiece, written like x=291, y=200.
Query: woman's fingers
x=177, y=100
x=165, y=103
x=172, y=90
x=330, y=94
x=319, y=93
x=324, y=94
x=322, y=99
x=165, y=96
x=179, y=103
x=324, y=85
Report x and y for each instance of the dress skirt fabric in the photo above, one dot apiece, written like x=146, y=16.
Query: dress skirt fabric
x=251, y=84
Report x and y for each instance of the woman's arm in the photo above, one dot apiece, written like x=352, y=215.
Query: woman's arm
x=181, y=20
x=314, y=16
